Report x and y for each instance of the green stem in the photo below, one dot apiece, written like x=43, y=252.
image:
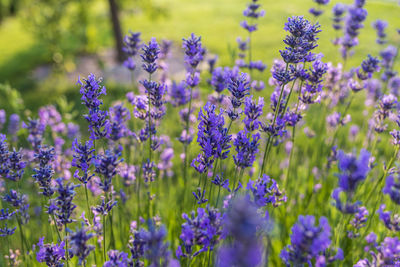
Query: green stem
x=186, y=145
x=273, y=123
x=21, y=235
x=104, y=237
x=66, y=244
x=87, y=203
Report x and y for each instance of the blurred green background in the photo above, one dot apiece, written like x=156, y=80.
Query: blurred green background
x=45, y=44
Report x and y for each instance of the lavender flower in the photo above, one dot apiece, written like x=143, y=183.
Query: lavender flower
x=266, y=191
x=106, y=165
x=44, y=172
x=354, y=22
x=368, y=67
x=156, y=249
x=380, y=26
x=156, y=92
x=212, y=137
x=82, y=160
x=313, y=85
x=65, y=207
x=91, y=90
x=358, y=222
x=338, y=11
x=194, y=51
x=253, y=111
x=392, y=188
x=308, y=241
x=117, y=259
x=202, y=230
x=387, y=254
x=179, y=94
x=199, y=195
x=119, y=115
x=78, y=244
x=13, y=124
x=388, y=55
x=36, y=131
x=318, y=11
x=239, y=87
x=16, y=165
x=150, y=55
x=104, y=208
x=7, y=231
x=131, y=48
x=391, y=222
x=2, y=118
x=352, y=172
x=301, y=41
x=246, y=146
x=51, y=254
x=241, y=226
x=149, y=172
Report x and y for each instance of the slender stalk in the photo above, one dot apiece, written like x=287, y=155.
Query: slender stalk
x=186, y=145
x=273, y=122
x=104, y=237
x=87, y=203
x=66, y=244
x=250, y=56
x=219, y=191
x=8, y=247
x=55, y=225
x=235, y=178
x=21, y=235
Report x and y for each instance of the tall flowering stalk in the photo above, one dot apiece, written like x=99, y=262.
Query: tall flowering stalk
x=106, y=165
x=213, y=139
x=356, y=15
x=132, y=45
x=155, y=105
x=252, y=13
x=82, y=160
x=194, y=55
x=64, y=207
x=300, y=42
x=91, y=90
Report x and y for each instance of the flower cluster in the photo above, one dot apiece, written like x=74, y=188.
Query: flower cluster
x=131, y=48
x=301, y=40
x=106, y=165
x=266, y=191
x=64, y=206
x=318, y=11
x=83, y=156
x=356, y=15
x=353, y=170
x=212, y=137
x=11, y=164
x=386, y=254
x=246, y=146
x=78, y=244
x=44, y=172
x=91, y=91
x=309, y=241
x=203, y=230
x=242, y=225
x=51, y=254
